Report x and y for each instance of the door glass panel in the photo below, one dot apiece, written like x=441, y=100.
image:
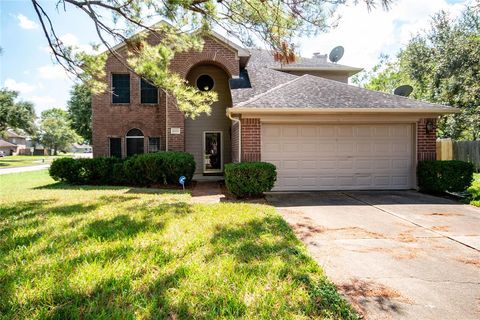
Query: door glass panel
x=213, y=152
x=134, y=146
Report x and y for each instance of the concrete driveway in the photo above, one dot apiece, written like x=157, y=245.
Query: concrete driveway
x=395, y=254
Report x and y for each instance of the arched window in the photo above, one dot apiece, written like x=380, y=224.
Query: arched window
x=134, y=139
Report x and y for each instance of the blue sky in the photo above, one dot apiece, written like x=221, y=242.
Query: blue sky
x=27, y=66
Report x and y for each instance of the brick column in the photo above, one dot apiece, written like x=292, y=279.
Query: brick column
x=176, y=142
x=251, y=140
x=426, y=142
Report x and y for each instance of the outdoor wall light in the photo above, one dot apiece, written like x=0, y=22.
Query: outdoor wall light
x=430, y=126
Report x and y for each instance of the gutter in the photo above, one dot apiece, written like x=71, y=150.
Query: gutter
x=359, y=110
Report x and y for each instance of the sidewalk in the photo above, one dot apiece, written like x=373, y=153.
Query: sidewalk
x=24, y=169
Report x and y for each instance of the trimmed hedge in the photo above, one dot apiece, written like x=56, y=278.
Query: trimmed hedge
x=142, y=170
x=85, y=171
x=159, y=168
x=439, y=176
x=250, y=178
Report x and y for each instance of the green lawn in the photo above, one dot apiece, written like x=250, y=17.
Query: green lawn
x=22, y=161
x=122, y=253
x=475, y=190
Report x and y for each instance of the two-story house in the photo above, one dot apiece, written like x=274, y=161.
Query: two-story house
x=319, y=131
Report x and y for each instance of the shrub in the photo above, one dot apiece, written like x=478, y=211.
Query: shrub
x=144, y=169
x=440, y=176
x=65, y=169
x=84, y=171
x=159, y=168
x=250, y=178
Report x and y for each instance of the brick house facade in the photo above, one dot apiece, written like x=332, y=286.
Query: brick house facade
x=254, y=96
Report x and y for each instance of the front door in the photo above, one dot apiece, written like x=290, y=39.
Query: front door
x=212, y=152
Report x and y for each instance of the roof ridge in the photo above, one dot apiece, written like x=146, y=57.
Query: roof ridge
x=256, y=97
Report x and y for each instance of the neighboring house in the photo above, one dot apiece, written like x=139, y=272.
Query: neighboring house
x=80, y=148
x=18, y=140
x=8, y=148
x=320, y=132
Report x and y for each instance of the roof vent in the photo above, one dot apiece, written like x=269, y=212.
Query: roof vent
x=318, y=55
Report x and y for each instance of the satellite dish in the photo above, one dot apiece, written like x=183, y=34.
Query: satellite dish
x=336, y=54
x=403, y=91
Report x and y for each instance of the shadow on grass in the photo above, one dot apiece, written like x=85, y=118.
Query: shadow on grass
x=121, y=226
x=131, y=190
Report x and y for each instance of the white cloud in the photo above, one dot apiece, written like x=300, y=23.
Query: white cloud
x=69, y=39
x=42, y=103
x=21, y=87
x=26, y=23
x=365, y=35
x=52, y=72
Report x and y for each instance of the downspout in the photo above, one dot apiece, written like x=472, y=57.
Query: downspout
x=237, y=120
x=166, y=119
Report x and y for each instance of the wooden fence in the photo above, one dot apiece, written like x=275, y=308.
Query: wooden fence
x=448, y=149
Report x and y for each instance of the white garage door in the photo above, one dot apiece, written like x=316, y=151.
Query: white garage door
x=340, y=157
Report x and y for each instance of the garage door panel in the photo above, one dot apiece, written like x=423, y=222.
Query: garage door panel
x=326, y=157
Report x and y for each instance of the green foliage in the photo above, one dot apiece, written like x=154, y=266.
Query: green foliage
x=159, y=168
x=80, y=111
x=15, y=114
x=474, y=190
x=140, y=170
x=55, y=130
x=65, y=169
x=98, y=171
x=250, y=178
x=440, y=176
x=443, y=66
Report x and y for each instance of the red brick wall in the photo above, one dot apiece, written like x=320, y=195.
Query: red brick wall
x=251, y=131
x=114, y=120
x=426, y=142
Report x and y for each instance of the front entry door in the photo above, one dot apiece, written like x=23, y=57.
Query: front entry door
x=212, y=152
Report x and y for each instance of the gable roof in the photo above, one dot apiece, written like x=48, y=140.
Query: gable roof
x=12, y=134
x=311, y=92
x=242, y=52
x=5, y=144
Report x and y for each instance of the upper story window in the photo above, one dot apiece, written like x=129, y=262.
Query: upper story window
x=121, y=88
x=148, y=92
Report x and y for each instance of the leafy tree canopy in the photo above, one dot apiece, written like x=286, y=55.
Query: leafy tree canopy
x=442, y=64
x=15, y=114
x=80, y=111
x=274, y=22
x=55, y=130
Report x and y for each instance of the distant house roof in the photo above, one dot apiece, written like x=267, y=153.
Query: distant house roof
x=6, y=144
x=10, y=133
x=81, y=146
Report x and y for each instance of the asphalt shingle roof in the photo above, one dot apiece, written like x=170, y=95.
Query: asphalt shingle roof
x=276, y=89
x=309, y=91
x=4, y=143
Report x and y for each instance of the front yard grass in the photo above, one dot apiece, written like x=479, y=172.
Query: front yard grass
x=122, y=253
x=474, y=190
x=22, y=161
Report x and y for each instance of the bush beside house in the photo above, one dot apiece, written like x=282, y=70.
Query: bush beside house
x=140, y=170
x=440, y=176
x=247, y=179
